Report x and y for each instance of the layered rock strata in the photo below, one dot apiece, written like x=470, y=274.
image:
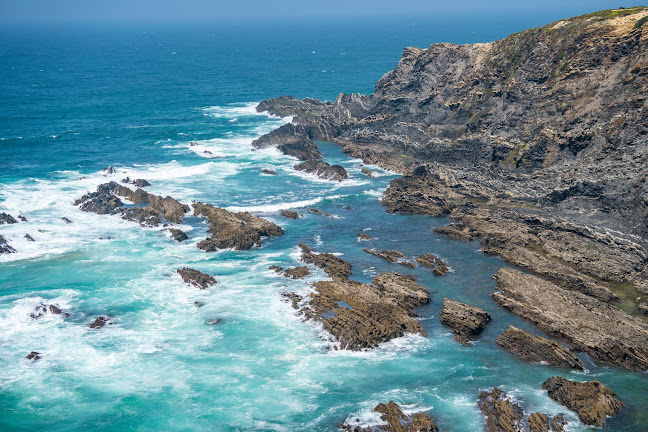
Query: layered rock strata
x=196, y=278
x=537, y=349
x=396, y=421
x=467, y=322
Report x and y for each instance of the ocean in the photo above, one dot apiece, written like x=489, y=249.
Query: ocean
x=76, y=100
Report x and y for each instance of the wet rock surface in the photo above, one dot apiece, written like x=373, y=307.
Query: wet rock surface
x=297, y=272
x=5, y=247
x=99, y=322
x=6, y=218
x=289, y=214
x=233, y=230
x=438, y=266
x=391, y=256
x=43, y=309
x=332, y=265
x=467, y=322
x=268, y=171
x=537, y=349
x=367, y=172
x=323, y=170
x=34, y=355
x=364, y=236
x=178, y=235
x=320, y=212
x=587, y=324
x=196, y=278
x=396, y=421
x=591, y=400
x=502, y=414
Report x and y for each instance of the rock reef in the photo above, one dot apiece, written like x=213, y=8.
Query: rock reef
x=467, y=322
x=196, y=278
x=323, y=170
x=396, y=421
x=332, y=265
x=537, y=349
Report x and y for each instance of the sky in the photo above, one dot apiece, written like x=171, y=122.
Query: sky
x=83, y=11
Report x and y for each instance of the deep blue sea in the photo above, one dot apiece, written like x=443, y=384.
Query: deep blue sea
x=76, y=100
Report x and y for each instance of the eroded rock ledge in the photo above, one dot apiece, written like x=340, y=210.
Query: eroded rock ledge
x=196, y=278
x=587, y=324
x=537, y=349
x=467, y=322
x=396, y=421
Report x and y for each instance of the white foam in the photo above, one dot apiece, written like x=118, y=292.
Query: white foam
x=271, y=208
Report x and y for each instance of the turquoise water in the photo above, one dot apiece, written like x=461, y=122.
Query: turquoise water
x=76, y=101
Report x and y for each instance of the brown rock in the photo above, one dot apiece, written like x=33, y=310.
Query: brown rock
x=289, y=214
x=364, y=236
x=178, y=235
x=99, y=322
x=438, y=266
x=320, y=212
x=501, y=414
x=592, y=401
x=539, y=422
x=268, y=171
x=196, y=278
x=466, y=322
x=332, y=265
x=367, y=172
x=297, y=272
x=33, y=356
x=323, y=170
x=391, y=256
x=397, y=421
x=537, y=349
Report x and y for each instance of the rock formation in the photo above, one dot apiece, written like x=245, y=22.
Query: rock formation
x=364, y=236
x=592, y=401
x=438, y=266
x=332, y=265
x=33, y=356
x=396, y=421
x=391, y=256
x=6, y=218
x=323, y=170
x=289, y=214
x=99, y=322
x=297, y=272
x=467, y=322
x=178, y=235
x=5, y=247
x=320, y=212
x=537, y=349
x=196, y=278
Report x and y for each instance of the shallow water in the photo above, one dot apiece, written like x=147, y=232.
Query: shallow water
x=162, y=365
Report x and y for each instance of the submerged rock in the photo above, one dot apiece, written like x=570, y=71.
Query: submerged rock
x=289, y=214
x=5, y=247
x=396, y=421
x=42, y=309
x=591, y=400
x=22, y=218
x=233, y=230
x=178, y=235
x=467, y=322
x=323, y=170
x=6, y=218
x=537, y=349
x=367, y=172
x=29, y=238
x=196, y=278
x=268, y=171
x=33, y=356
x=587, y=324
x=66, y=220
x=391, y=256
x=99, y=322
x=438, y=266
x=320, y=212
x=364, y=236
x=332, y=265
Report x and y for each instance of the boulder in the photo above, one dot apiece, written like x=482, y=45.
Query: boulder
x=29, y=238
x=591, y=400
x=289, y=214
x=22, y=218
x=33, y=356
x=367, y=172
x=109, y=170
x=178, y=235
x=141, y=183
x=332, y=265
x=43, y=309
x=196, y=278
x=323, y=170
x=396, y=421
x=268, y=171
x=537, y=349
x=99, y=322
x=467, y=322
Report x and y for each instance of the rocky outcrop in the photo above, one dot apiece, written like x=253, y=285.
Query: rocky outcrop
x=292, y=140
x=5, y=247
x=360, y=316
x=233, y=230
x=587, y=324
x=367, y=172
x=33, y=356
x=467, y=322
x=178, y=235
x=537, y=349
x=289, y=214
x=332, y=265
x=29, y=238
x=297, y=272
x=196, y=278
x=66, y=220
x=391, y=256
x=43, y=309
x=396, y=421
x=364, y=236
x=323, y=170
x=7, y=219
x=504, y=415
x=438, y=266
x=140, y=183
x=591, y=400
x=268, y=171
x=99, y=323
x=320, y=212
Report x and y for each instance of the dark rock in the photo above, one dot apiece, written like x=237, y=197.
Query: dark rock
x=643, y=308
x=396, y=421
x=591, y=400
x=140, y=183
x=363, y=236
x=291, y=140
x=66, y=220
x=199, y=304
x=297, y=272
x=587, y=324
x=438, y=266
x=55, y=309
x=193, y=144
x=347, y=208
x=22, y=218
x=294, y=299
x=33, y=356
x=30, y=238
x=537, y=349
x=178, y=235
x=467, y=322
x=367, y=172
x=7, y=219
x=196, y=278
x=391, y=256
x=207, y=152
x=320, y=212
x=99, y=322
x=109, y=170
x=268, y=171
x=289, y=214
x=323, y=170
x=332, y=265
x=276, y=268
x=214, y=321
x=233, y=230
x=5, y=247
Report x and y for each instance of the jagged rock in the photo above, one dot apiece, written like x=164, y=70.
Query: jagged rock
x=22, y=218
x=141, y=183
x=291, y=140
x=391, y=256
x=193, y=144
x=5, y=247
x=367, y=172
x=99, y=322
x=276, y=268
x=360, y=316
x=332, y=265
x=599, y=329
x=537, y=349
x=199, y=304
x=297, y=272
x=178, y=235
x=323, y=170
x=55, y=309
x=207, y=152
x=42, y=309
x=438, y=266
x=268, y=171
x=347, y=208
x=7, y=219
x=363, y=236
x=504, y=415
x=33, y=356
x=320, y=212
x=109, y=170
x=289, y=214
x=467, y=322
x=66, y=220
x=457, y=232
x=396, y=421
x=30, y=238
x=591, y=400
x=293, y=298
x=233, y=230
x=196, y=278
